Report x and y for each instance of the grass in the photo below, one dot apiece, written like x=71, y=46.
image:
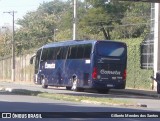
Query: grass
x=86, y=99
x=25, y=92
x=82, y=99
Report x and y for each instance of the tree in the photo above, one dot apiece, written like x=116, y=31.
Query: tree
x=95, y=17
x=135, y=22
x=36, y=29
x=5, y=42
x=100, y=13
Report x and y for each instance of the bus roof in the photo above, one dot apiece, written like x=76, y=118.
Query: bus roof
x=68, y=42
x=73, y=42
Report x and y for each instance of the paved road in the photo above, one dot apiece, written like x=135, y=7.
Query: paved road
x=19, y=103
x=151, y=102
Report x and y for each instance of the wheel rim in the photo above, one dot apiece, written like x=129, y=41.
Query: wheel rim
x=74, y=84
x=43, y=82
x=44, y=85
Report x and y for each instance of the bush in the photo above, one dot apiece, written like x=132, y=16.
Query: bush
x=136, y=77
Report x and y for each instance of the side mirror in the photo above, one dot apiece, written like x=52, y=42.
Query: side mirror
x=153, y=78
x=31, y=60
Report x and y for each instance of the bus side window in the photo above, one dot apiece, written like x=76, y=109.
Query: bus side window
x=87, y=51
x=73, y=52
x=65, y=52
x=44, y=54
x=49, y=54
x=54, y=56
x=59, y=53
x=80, y=52
x=69, y=52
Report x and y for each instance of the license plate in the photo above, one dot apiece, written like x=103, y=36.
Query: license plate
x=109, y=85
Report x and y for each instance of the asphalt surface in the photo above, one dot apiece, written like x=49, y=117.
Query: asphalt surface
x=36, y=88
x=143, y=98
x=21, y=103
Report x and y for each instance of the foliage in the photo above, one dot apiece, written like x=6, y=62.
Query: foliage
x=136, y=77
x=36, y=28
x=86, y=99
x=5, y=42
x=102, y=14
x=119, y=20
x=136, y=20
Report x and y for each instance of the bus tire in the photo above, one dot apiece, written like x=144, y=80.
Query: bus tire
x=158, y=88
x=103, y=91
x=44, y=84
x=68, y=88
x=80, y=89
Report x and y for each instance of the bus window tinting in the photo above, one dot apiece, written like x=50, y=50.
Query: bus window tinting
x=87, y=50
x=44, y=54
x=80, y=51
x=67, y=52
x=59, y=53
x=73, y=52
x=54, y=56
x=110, y=49
x=50, y=54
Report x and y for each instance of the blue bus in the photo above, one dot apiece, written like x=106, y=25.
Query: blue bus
x=82, y=64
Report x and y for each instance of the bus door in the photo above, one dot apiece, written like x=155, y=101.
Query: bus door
x=110, y=63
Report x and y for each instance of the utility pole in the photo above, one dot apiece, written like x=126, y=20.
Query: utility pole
x=54, y=37
x=75, y=20
x=13, y=46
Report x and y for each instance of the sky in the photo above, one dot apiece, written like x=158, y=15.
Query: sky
x=20, y=6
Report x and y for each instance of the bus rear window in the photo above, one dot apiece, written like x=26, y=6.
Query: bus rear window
x=110, y=49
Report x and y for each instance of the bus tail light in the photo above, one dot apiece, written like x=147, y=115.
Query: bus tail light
x=124, y=74
x=94, y=74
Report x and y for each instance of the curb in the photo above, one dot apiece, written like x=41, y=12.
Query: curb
x=6, y=89
x=138, y=92
x=35, y=93
x=120, y=91
x=30, y=92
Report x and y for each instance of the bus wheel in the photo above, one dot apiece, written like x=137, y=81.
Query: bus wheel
x=103, y=91
x=68, y=88
x=158, y=88
x=44, y=83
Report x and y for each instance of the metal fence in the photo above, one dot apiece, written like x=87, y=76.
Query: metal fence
x=136, y=77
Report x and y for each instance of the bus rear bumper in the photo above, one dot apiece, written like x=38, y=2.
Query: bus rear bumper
x=105, y=85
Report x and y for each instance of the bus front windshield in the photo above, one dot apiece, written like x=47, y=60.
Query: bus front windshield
x=110, y=49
